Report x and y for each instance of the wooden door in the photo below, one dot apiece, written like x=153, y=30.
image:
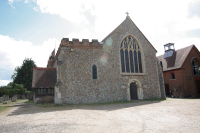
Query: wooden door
x=167, y=90
x=198, y=86
x=133, y=91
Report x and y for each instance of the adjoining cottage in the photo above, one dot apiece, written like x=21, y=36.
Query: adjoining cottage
x=123, y=66
x=43, y=83
x=181, y=71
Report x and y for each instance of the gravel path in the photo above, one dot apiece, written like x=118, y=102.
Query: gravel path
x=174, y=115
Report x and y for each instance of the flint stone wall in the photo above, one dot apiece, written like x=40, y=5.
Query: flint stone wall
x=75, y=73
x=161, y=80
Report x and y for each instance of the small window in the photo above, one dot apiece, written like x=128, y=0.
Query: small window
x=38, y=91
x=49, y=91
x=94, y=72
x=172, y=76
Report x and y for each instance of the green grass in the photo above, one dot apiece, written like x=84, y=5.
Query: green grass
x=5, y=106
x=93, y=104
x=29, y=101
x=2, y=108
x=155, y=99
x=10, y=102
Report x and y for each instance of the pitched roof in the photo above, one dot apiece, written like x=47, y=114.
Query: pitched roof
x=44, y=77
x=127, y=18
x=176, y=60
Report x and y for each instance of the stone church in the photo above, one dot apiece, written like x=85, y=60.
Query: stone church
x=123, y=66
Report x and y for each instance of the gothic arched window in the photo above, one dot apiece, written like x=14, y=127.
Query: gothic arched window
x=94, y=72
x=131, y=58
x=195, y=67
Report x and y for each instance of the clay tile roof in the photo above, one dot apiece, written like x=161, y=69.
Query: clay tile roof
x=176, y=60
x=44, y=77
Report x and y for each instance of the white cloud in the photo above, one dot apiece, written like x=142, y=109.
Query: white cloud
x=15, y=51
x=4, y=82
x=70, y=10
x=189, y=41
x=153, y=16
x=84, y=34
x=179, y=43
x=160, y=21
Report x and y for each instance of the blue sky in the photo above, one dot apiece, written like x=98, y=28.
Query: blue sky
x=33, y=28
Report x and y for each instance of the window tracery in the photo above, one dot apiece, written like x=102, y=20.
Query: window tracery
x=130, y=53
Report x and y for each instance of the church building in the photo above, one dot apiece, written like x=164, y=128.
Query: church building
x=123, y=66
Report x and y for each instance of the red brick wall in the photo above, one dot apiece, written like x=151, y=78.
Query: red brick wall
x=182, y=85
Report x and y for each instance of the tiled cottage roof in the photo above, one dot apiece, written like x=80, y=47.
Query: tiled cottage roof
x=44, y=77
x=176, y=60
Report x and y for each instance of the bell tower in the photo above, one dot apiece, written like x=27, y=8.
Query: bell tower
x=169, y=50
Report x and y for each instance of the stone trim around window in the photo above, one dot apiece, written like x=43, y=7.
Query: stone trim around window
x=131, y=57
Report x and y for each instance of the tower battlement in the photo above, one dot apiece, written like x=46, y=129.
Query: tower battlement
x=79, y=44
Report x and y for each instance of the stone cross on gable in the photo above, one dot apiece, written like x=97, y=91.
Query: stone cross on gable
x=127, y=13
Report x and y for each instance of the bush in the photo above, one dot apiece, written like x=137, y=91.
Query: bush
x=13, y=89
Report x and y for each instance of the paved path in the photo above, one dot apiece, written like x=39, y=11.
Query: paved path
x=175, y=115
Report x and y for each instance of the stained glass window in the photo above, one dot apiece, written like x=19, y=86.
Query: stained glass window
x=94, y=72
x=131, y=58
x=136, y=61
x=131, y=61
x=122, y=60
x=140, y=61
x=127, y=61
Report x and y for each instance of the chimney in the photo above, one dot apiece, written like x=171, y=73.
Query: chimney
x=169, y=50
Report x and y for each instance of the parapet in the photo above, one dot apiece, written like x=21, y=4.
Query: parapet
x=75, y=43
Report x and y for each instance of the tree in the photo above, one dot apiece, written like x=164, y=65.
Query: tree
x=20, y=89
x=5, y=90
x=23, y=74
x=12, y=89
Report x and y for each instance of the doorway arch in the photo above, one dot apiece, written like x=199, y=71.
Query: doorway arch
x=137, y=85
x=133, y=91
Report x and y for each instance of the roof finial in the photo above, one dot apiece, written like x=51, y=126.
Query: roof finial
x=127, y=13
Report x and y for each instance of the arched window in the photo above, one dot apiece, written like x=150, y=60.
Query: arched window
x=131, y=58
x=94, y=72
x=195, y=67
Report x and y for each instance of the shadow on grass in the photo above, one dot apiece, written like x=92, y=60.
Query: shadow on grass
x=31, y=108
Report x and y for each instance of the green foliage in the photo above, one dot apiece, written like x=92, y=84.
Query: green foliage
x=23, y=74
x=12, y=92
x=2, y=108
x=12, y=89
x=2, y=91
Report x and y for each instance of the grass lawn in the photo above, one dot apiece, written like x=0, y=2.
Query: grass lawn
x=2, y=108
x=9, y=105
x=96, y=104
x=29, y=101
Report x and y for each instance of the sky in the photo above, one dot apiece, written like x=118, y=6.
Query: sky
x=33, y=28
